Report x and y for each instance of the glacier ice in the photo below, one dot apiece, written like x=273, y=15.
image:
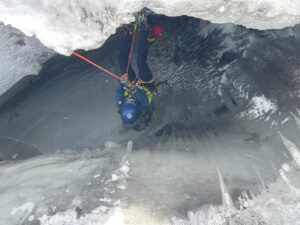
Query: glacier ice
x=20, y=56
x=197, y=161
x=67, y=25
x=40, y=194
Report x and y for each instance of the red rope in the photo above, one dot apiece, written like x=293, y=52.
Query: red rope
x=97, y=66
x=131, y=48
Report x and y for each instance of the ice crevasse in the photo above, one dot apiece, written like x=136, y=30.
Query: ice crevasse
x=66, y=25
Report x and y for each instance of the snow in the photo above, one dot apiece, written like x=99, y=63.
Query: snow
x=111, y=145
x=50, y=188
x=33, y=186
x=292, y=148
x=226, y=198
x=33, y=190
x=125, y=169
x=114, y=177
x=275, y=205
x=26, y=207
x=105, y=200
x=97, y=175
x=20, y=56
x=258, y=107
x=67, y=25
x=286, y=167
x=31, y=218
x=98, y=216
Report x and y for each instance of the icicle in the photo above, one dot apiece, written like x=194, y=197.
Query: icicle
x=129, y=147
x=261, y=180
x=226, y=198
x=285, y=167
x=292, y=148
x=285, y=120
x=297, y=119
x=275, y=170
x=287, y=181
x=243, y=200
x=124, y=161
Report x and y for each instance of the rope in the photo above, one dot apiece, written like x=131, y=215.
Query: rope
x=132, y=45
x=105, y=70
x=97, y=66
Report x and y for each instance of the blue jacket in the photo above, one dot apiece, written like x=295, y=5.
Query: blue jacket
x=142, y=99
x=142, y=96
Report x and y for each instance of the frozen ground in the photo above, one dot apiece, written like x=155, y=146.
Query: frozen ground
x=226, y=125
x=115, y=186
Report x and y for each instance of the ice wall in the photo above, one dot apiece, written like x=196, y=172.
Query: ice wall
x=86, y=24
x=20, y=56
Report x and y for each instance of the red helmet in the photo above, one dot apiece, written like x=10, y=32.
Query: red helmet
x=157, y=31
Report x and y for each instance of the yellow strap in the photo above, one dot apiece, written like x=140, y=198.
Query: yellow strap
x=144, y=82
x=148, y=93
x=128, y=94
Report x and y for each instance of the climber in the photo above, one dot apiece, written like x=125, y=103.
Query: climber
x=134, y=96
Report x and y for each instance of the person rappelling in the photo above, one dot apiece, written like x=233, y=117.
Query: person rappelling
x=134, y=93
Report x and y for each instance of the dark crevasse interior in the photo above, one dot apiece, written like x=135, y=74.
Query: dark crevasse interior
x=208, y=74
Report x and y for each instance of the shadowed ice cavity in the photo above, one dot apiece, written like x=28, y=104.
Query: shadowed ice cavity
x=206, y=117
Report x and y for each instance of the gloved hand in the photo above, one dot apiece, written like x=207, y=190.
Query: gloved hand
x=130, y=85
x=124, y=78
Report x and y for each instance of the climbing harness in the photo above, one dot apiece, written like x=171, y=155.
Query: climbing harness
x=148, y=93
x=141, y=82
x=128, y=94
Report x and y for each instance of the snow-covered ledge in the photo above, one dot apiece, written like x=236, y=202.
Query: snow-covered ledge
x=68, y=25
